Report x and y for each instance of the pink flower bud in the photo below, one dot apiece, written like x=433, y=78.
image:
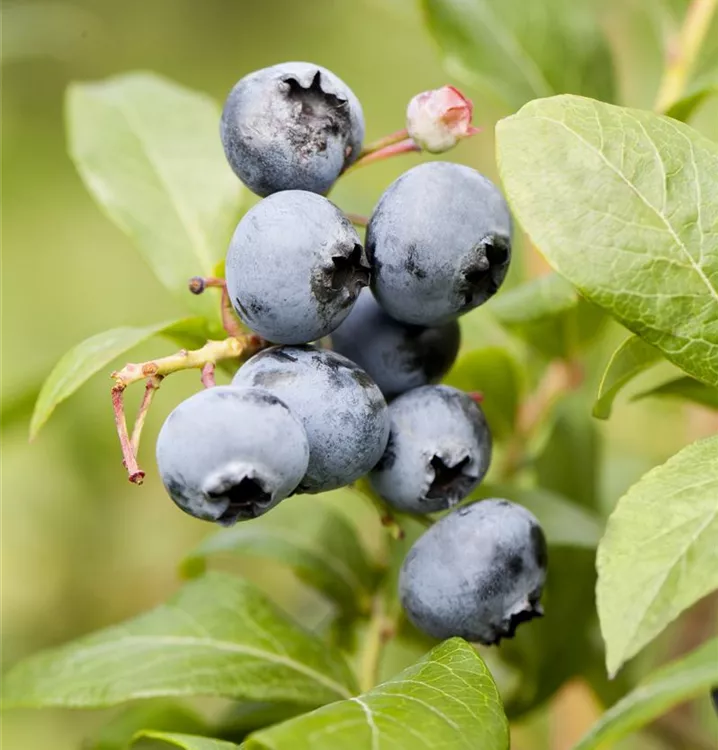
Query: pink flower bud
x=437, y=119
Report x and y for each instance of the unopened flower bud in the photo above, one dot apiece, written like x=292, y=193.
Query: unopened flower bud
x=437, y=119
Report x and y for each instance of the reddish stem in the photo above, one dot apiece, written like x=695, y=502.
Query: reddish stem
x=386, y=152
x=197, y=285
x=151, y=386
x=136, y=475
x=207, y=377
x=357, y=219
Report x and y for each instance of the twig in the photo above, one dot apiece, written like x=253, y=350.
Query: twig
x=197, y=285
x=560, y=376
x=150, y=387
x=683, y=53
x=403, y=147
x=205, y=358
x=207, y=377
x=136, y=475
x=357, y=219
x=380, y=632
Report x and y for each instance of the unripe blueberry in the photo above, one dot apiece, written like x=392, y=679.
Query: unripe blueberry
x=398, y=356
x=440, y=243
x=295, y=266
x=293, y=126
x=436, y=120
x=477, y=573
x=228, y=454
x=342, y=410
x=439, y=450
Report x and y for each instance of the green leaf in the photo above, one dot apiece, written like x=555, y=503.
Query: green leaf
x=552, y=650
x=496, y=374
x=624, y=204
x=519, y=51
x=548, y=314
x=660, y=551
x=448, y=699
x=150, y=154
x=685, y=388
x=679, y=681
x=684, y=108
x=79, y=364
x=156, y=715
x=564, y=523
x=632, y=357
x=569, y=462
x=187, y=741
x=218, y=636
x=315, y=540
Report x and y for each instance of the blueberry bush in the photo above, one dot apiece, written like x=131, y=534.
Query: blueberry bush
x=350, y=371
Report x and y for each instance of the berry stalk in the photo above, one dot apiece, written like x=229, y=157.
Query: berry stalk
x=153, y=371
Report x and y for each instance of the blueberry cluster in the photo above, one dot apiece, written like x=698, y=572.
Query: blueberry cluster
x=298, y=418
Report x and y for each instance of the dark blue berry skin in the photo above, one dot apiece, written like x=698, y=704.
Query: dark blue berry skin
x=398, y=356
x=439, y=450
x=293, y=126
x=295, y=267
x=343, y=411
x=477, y=573
x=230, y=454
x=440, y=243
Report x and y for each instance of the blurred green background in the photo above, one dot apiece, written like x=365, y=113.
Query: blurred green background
x=81, y=548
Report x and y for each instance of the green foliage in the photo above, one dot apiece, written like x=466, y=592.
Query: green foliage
x=90, y=356
x=218, y=636
x=632, y=357
x=679, y=681
x=660, y=551
x=685, y=388
x=148, y=152
x=518, y=51
x=316, y=541
x=187, y=741
x=495, y=373
x=154, y=715
x=549, y=315
x=448, y=698
x=638, y=200
x=569, y=461
x=624, y=205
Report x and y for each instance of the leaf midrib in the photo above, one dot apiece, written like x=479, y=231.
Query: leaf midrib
x=218, y=645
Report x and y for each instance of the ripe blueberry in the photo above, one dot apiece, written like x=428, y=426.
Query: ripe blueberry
x=439, y=450
x=343, y=412
x=295, y=266
x=478, y=573
x=228, y=454
x=440, y=243
x=293, y=126
x=398, y=356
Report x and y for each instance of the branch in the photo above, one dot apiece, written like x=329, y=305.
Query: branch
x=683, y=53
x=153, y=371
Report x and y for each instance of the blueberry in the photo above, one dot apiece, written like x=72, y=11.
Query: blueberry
x=228, y=454
x=440, y=243
x=343, y=412
x=398, y=356
x=439, y=450
x=478, y=573
x=294, y=267
x=293, y=126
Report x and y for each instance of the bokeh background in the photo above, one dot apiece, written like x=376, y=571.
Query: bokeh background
x=81, y=548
